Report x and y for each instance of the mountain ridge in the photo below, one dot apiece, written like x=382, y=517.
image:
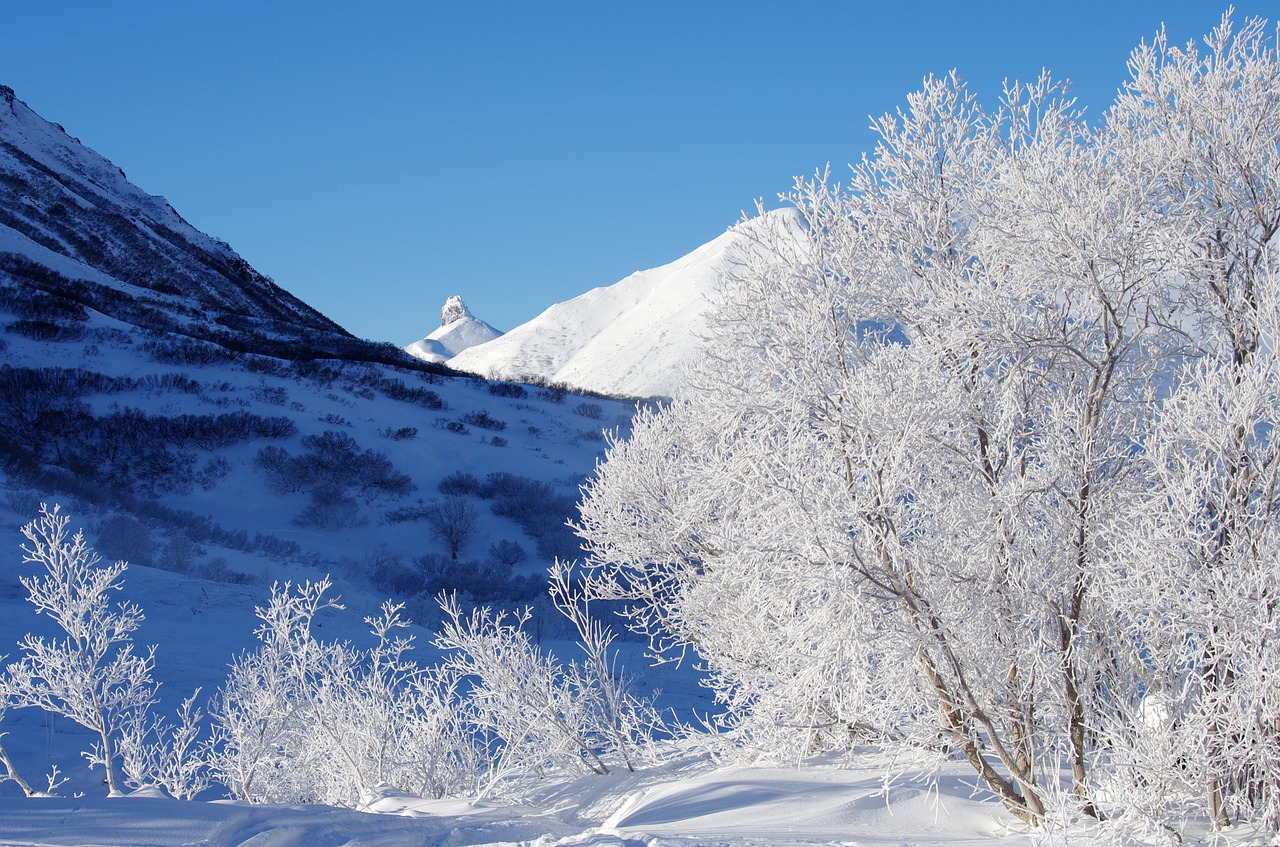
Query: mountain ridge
x=74, y=227
x=634, y=337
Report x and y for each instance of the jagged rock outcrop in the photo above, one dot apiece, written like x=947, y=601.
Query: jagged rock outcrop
x=458, y=331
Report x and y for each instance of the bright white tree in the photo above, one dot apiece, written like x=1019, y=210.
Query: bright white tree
x=92, y=674
x=1204, y=121
x=300, y=720
x=887, y=506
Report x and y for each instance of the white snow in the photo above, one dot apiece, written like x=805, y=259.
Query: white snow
x=452, y=338
x=630, y=339
x=687, y=808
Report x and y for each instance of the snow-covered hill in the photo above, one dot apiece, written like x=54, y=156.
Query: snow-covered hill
x=631, y=338
x=74, y=228
x=218, y=433
x=459, y=330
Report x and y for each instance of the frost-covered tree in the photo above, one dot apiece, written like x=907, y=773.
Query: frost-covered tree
x=531, y=713
x=10, y=770
x=300, y=720
x=91, y=674
x=887, y=508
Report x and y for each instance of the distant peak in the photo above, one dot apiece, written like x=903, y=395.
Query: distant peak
x=6, y=94
x=454, y=310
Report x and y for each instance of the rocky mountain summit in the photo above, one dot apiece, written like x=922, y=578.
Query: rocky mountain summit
x=459, y=330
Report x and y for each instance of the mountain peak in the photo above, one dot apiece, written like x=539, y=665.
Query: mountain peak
x=631, y=338
x=454, y=310
x=458, y=331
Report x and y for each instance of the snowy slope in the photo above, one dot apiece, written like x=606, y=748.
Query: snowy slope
x=459, y=330
x=688, y=806
x=129, y=253
x=631, y=338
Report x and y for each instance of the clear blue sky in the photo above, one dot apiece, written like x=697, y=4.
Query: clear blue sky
x=375, y=158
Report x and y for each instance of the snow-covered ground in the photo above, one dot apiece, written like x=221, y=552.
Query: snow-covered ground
x=683, y=806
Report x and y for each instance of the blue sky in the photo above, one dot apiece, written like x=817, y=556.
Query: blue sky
x=376, y=159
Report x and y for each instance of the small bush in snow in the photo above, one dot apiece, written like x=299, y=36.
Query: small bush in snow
x=484, y=420
x=591, y=411
x=507, y=389
x=453, y=523
x=507, y=552
x=459, y=484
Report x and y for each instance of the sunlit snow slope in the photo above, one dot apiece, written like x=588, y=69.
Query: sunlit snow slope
x=631, y=338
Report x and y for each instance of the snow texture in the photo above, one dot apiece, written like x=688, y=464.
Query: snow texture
x=752, y=806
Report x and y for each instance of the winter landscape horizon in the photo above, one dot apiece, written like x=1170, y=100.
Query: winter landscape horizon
x=935, y=503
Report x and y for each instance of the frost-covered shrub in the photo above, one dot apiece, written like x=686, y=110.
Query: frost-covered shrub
x=480, y=582
x=180, y=350
x=554, y=392
x=215, y=469
x=299, y=720
x=218, y=569
x=452, y=522
x=274, y=546
x=178, y=553
x=530, y=713
x=276, y=395
x=43, y=330
x=170, y=382
x=123, y=537
x=333, y=466
x=538, y=508
x=392, y=576
x=91, y=674
x=424, y=397
x=331, y=508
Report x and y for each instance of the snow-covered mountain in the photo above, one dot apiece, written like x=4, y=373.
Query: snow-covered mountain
x=631, y=338
x=72, y=227
x=459, y=330
x=148, y=372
